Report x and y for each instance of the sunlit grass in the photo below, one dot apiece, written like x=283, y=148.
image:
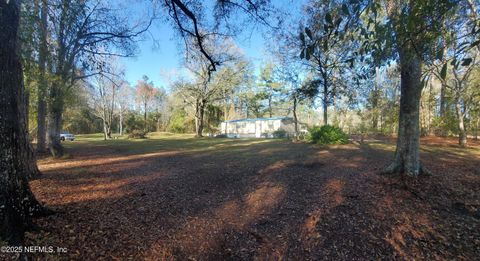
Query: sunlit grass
x=164, y=141
x=161, y=141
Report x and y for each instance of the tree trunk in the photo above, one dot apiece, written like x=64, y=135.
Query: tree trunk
x=325, y=101
x=120, y=123
x=105, y=131
x=107, y=123
x=295, y=118
x=200, y=111
x=42, y=86
x=270, y=111
x=475, y=135
x=443, y=89
x=31, y=160
x=325, y=113
x=41, y=122
x=110, y=113
x=55, y=122
x=407, y=158
x=17, y=202
x=462, y=134
x=109, y=131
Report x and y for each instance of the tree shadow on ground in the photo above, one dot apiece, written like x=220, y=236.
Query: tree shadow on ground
x=244, y=200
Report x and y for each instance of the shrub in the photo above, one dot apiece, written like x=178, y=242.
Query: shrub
x=279, y=134
x=180, y=122
x=133, y=123
x=327, y=134
x=137, y=134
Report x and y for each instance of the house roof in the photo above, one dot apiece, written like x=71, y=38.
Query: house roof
x=259, y=119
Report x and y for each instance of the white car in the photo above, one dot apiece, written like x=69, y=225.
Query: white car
x=66, y=136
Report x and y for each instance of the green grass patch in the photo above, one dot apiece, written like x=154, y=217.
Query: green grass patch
x=161, y=141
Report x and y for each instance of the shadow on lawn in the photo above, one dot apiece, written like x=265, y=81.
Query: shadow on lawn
x=241, y=200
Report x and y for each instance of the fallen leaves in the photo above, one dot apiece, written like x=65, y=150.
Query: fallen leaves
x=267, y=200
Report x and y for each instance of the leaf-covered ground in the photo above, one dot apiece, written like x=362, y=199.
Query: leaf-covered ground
x=174, y=197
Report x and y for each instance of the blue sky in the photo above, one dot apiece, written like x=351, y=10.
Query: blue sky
x=161, y=58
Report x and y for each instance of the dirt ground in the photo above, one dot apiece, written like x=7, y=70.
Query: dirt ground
x=258, y=200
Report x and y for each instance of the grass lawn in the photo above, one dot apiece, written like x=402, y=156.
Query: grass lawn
x=176, y=197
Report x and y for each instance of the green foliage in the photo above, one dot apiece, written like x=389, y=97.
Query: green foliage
x=447, y=125
x=213, y=118
x=327, y=134
x=279, y=134
x=137, y=134
x=179, y=122
x=133, y=122
x=81, y=120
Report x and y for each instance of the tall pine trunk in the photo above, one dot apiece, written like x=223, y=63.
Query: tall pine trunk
x=42, y=86
x=325, y=112
x=407, y=154
x=325, y=100
x=17, y=202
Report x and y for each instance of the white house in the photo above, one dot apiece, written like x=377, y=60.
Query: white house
x=258, y=127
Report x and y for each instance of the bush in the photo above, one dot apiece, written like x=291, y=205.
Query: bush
x=327, y=134
x=133, y=123
x=279, y=134
x=137, y=134
x=179, y=122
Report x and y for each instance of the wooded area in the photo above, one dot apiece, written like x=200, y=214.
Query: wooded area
x=371, y=76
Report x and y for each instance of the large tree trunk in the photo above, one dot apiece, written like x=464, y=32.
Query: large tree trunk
x=407, y=158
x=42, y=86
x=462, y=133
x=55, y=121
x=17, y=202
